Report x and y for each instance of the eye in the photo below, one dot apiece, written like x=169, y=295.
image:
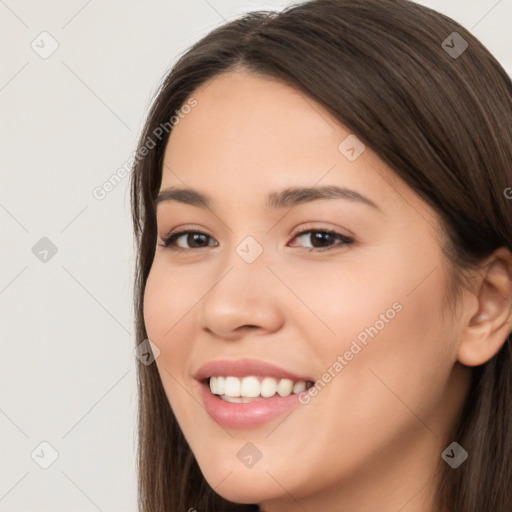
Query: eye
x=194, y=238
x=322, y=239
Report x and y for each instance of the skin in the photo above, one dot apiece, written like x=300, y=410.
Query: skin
x=372, y=437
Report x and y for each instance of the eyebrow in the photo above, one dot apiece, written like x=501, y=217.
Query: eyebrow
x=285, y=198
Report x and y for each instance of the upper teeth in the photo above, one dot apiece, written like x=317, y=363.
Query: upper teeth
x=251, y=387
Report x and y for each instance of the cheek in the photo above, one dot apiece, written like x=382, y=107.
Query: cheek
x=165, y=302
x=406, y=355
x=165, y=318
x=339, y=301
x=154, y=308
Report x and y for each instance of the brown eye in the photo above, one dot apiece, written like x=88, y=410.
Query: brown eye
x=320, y=240
x=323, y=239
x=194, y=239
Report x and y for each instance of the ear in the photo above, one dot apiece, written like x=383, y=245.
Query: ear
x=489, y=326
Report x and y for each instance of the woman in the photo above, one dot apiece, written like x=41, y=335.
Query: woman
x=321, y=203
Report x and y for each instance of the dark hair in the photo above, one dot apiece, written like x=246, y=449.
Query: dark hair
x=442, y=121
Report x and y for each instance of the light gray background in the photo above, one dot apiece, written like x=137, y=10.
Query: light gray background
x=68, y=122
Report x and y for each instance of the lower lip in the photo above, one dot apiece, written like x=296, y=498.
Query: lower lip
x=248, y=415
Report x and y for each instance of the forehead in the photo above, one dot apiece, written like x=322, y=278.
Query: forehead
x=248, y=129
x=253, y=118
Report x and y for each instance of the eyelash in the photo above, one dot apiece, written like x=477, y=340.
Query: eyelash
x=169, y=240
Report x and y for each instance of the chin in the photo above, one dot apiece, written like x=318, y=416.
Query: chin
x=264, y=481
x=245, y=487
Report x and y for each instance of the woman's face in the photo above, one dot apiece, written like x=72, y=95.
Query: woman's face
x=264, y=291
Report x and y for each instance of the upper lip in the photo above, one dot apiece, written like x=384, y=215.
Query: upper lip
x=245, y=368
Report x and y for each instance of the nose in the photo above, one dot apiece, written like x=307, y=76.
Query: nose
x=243, y=298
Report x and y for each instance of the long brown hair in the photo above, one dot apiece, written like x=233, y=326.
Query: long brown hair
x=439, y=113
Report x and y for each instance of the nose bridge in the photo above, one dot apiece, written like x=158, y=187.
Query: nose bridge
x=250, y=250
x=244, y=268
x=241, y=293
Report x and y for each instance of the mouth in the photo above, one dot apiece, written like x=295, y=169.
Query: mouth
x=254, y=388
x=248, y=393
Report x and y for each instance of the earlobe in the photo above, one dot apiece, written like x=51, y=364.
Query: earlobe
x=489, y=327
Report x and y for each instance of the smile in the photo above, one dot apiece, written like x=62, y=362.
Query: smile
x=248, y=393
x=249, y=389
